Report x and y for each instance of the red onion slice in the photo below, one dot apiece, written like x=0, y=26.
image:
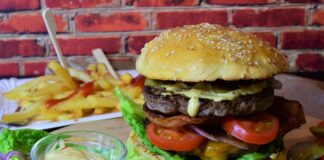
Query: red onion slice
x=1, y=156
x=14, y=154
x=203, y=133
x=220, y=138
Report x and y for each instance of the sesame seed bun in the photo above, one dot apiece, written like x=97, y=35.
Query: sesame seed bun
x=207, y=52
x=141, y=150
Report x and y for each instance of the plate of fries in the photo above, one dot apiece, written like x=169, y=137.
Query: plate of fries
x=65, y=97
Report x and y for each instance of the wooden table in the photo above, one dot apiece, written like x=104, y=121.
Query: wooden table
x=309, y=92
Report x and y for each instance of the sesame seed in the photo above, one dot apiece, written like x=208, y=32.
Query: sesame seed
x=256, y=63
x=210, y=42
x=201, y=60
x=191, y=47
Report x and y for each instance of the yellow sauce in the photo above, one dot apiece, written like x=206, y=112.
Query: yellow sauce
x=193, y=106
x=70, y=153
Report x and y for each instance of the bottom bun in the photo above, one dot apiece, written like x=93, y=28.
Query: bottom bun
x=136, y=150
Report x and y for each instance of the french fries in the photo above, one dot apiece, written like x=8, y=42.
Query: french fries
x=69, y=94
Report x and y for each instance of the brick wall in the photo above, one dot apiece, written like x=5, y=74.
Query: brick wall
x=122, y=27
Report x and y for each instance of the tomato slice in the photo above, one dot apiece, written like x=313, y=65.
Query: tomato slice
x=139, y=81
x=322, y=158
x=260, y=128
x=173, y=139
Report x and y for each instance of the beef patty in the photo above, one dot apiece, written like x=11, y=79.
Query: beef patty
x=177, y=104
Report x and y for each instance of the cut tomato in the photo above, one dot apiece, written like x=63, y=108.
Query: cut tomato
x=260, y=128
x=322, y=158
x=139, y=81
x=173, y=139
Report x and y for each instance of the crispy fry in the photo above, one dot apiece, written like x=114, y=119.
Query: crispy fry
x=51, y=90
x=80, y=75
x=24, y=103
x=47, y=115
x=22, y=116
x=131, y=91
x=127, y=78
x=62, y=74
x=22, y=89
x=58, y=97
x=92, y=101
x=65, y=116
x=104, y=84
x=101, y=69
x=77, y=113
x=92, y=68
x=101, y=110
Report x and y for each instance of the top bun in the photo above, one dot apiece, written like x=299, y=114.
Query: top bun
x=207, y=52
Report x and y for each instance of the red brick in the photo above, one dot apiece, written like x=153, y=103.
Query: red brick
x=244, y=2
x=268, y=37
x=137, y=42
x=159, y=3
x=303, y=39
x=34, y=68
x=166, y=20
x=72, y=4
x=15, y=5
x=269, y=17
x=29, y=22
x=310, y=62
x=9, y=69
x=122, y=21
x=305, y=1
x=318, y=17
x=84, y=45
x=23, y=47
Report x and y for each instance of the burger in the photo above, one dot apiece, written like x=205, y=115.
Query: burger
x=209, y=95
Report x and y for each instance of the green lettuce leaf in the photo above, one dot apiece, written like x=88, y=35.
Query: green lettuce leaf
x=133, y=154
x=253, y=156
x=19, y=140
x=134, y=115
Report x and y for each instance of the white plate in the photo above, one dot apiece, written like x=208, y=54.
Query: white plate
x=7, y=106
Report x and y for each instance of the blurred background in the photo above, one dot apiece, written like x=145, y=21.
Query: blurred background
x=122, y=27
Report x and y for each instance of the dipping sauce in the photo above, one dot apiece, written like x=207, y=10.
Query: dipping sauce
x=72, y=154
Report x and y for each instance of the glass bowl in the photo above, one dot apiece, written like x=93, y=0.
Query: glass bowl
x=78, y=145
